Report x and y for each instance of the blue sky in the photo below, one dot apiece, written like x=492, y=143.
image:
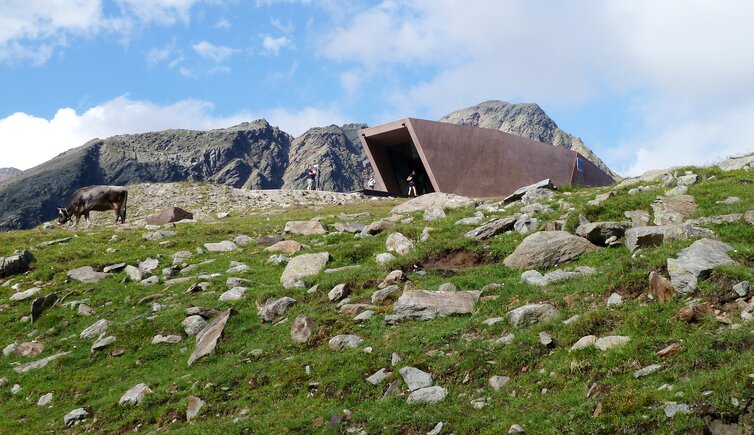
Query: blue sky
x=645, y=83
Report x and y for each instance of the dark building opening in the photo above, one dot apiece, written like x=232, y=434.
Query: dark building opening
x=403, y=159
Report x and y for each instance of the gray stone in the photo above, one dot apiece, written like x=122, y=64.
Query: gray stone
x=207, y=339
x=287, y=247
x=447, y=287
x=86, y=274
x=445, y=201
x=493, y=321
x=673, y=210
x=695, y=261
x=103, y=343
x=584, y=342
x=9, y=349
x=415, y=378
x=152, y=280
x=377, y=227
x=236, y=267
x=395, y=359
x=95, y=329
x=615, y=300
x=642, y=237
x=676, y=191
x=599, y=232
x=492, y=228
x=426, y=305
x=193, y=325
x=531, y=314
x=521, y=191
x=535, y=278
x=278, y=259
x=193, y=406
x=516, y=428
x=639, y=218
x=399, y=244
x=600, y=198
x=349, y=227
x=340, y=342
x=537, y=195
x=715, y=220
x=364, y=316
x=473, y=220
x=233, y=282
x=44, y=399
x=687, y=180
x=384, y=294
x=525, y=224
x=547, y=249
x=434, y=213
x=427, y=395
x=437, y=429
x=224, y=246
x=39, y=363
x=134, y=395
x=75, y=416
x=159, y=235
x=234, y=294
x=742, y=289
x=15, y=389
x=302, y=329
x=53, y=242
x=384, y=258
x=498, y=382
x=26, y=294
x=305, y=228
x=647, y=370
x=736, y=163
x=379, y=376
x=611, y=341
x=343, y=268
x=15, y=264
x=149, y=265
x=672, y=409
x=303, y=266
x=394, y=277
x=169, y=339
x=243, y=240
x=114, y=268
x=275, y=308
x=134, y=273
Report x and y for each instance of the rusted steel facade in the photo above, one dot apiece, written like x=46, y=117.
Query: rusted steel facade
x=468, y=161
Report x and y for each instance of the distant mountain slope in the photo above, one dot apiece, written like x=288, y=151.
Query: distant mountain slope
x=526, y=120
x=8, y=172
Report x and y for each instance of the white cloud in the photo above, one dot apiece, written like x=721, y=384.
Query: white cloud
x=284, y=28
x=676, y=53
x=167, y=12
x=223, y=24
x=274, y=45
x=157, y=55
x=29, y=140
x=217, y=53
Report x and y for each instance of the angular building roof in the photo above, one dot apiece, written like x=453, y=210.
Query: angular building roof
x=468, y=161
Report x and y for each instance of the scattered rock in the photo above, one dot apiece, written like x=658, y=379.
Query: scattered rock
x=15, y=264
x=224, y=246
x=672, y=409
x=611, y=341
x=492, y=228
x=647, y=370
x=444, y=201
x=584, y=342
x=340, y=342
x=134, y=273
x=525, y=224
x=394, y=277
x=639, y=218
x=169, y=339
x=379, y=376
x=600, y=198
x=158, y=235
x=114, y=268
x=75, y=416
x=168, y=215
x=287, y=247
x=103, y=343
x=384, y=258
x=86, y=274
x=615, y=300
x=193, y=325
x=547, y=249
x=535, y=278
x=434, y=213
x=427, y=395
x=302, y=266
x=599, y=232
x=520, y=192
x=350, y=227
x=742, y=289
x=677, y=191
x=669, y=351
x=193, y=406
x=44, y=399
x=305, y=228
x=302, y=329
x=243, y=240
x=21, y=296
x=234, y=294
x=670, y=210
x=338, y=292
x=95, y=329
x=207, y=339
x=642, y=237
x=39, y=363
x=695, y=261
x=498, y=382
x=531, y=314
x=377, y=227
x=426, y=305
x=399, y=244
x=135, y=395
x=273, y=309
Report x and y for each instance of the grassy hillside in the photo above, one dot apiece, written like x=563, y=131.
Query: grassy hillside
x=259, y=381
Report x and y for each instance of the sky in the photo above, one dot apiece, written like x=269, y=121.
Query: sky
x=646, y=84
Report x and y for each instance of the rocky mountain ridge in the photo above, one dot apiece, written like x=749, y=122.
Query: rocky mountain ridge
x=8, y=172
x=251, y=155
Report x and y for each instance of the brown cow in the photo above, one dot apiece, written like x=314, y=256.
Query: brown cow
x=95, y=198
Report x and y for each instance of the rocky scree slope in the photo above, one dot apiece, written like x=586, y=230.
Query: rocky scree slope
x=564, y=309
x=526, y=120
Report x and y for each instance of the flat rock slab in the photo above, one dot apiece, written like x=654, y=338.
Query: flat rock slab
x=426, y=305
x=697, y=260
x=305, y=228
x=521, y=191
x=444, y=201
x=649, y=236
x=533, y=277
x=234, y=294
x=26, y=294
x=39, y=363
x=135, y=395
x=492, y=228
x=736, y=163
x=95, y=329
x=531, y=314
x=548, y=248
x=304, y=265
x=207, y=339
x=287, y=247
x=86, y=274
x=275, y=308
x=673, y=209
x=415, y=378
x=193, y=406
x=224, y=246
x=428, y=395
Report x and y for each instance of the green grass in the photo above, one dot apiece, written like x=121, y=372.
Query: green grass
x=271, y=392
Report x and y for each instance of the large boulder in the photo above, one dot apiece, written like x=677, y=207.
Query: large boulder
x=736, y=163
x=444, y=201
x=399, y=244
x=304, y=265
x=673, y=209
x=168, y=215
x=426, y=305
x=305, y=228
x=599, y=232
x=642, y=237
x=697, y=260
x=546, y=249
x=492, y=228
x=15, y=264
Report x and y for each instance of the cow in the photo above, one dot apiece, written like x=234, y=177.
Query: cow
x=95, y=198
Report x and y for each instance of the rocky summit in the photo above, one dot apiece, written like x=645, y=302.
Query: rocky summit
x=287, y=311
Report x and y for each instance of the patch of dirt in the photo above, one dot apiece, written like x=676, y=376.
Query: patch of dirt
x=628, y=289
x=746, y=181
x=449, y=262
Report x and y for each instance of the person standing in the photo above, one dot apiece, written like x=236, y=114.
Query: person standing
x=411, y=179
x=311, y=178
x=371, y=183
